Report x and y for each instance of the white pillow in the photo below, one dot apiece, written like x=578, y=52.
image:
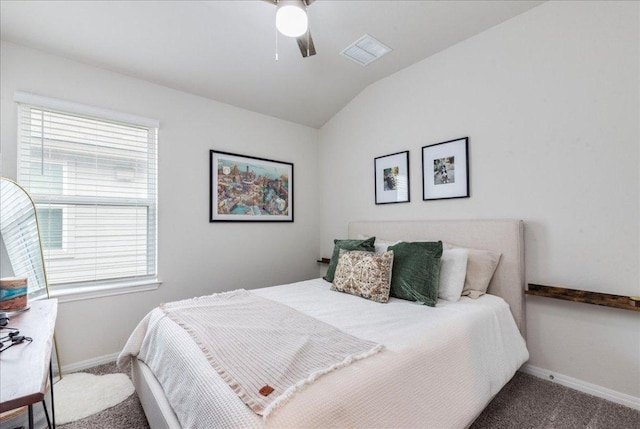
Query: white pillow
x=453, y=271
x=380, y=245
x=481, y=265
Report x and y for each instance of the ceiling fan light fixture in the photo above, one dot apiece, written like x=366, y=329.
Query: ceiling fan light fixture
x=291, y=18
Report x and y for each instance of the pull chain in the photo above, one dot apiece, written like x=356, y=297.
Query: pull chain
x=276, y=28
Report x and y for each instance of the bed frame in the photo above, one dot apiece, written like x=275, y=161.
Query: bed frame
x=504, y=236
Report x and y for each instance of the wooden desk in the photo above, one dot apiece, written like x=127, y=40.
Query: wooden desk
x=25, y=368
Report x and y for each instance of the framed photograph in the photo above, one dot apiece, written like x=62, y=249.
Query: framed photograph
x=249, y=189
x=445, y=170
x=392, y=178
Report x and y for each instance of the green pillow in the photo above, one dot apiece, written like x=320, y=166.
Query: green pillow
x=366, y=245
x=416, y=271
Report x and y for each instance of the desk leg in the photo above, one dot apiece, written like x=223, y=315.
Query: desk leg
x=30, y=416
x=46, y=414
x=53, y=409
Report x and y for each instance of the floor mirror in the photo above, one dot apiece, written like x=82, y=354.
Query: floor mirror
x=21, y=253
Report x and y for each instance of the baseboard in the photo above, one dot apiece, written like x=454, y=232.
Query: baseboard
x=89, y=363
x=583, y=386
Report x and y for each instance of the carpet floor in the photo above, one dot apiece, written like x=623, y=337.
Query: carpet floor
x=525, y=402
x=531, y=402
x=127, y=414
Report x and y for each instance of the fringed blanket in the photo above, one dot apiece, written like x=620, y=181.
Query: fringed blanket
x=264, y=350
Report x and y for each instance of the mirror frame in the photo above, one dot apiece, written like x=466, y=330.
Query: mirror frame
x=44, y=267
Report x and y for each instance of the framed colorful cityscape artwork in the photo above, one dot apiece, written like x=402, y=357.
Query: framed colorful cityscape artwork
x=249, y=189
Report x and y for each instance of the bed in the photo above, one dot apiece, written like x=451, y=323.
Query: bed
x=440, y=367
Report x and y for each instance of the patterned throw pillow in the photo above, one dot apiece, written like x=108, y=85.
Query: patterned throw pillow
x=364, y=274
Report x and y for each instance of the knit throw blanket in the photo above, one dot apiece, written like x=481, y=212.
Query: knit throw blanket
x=264, y=350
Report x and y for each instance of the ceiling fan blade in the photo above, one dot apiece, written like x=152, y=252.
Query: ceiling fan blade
x=302, y=44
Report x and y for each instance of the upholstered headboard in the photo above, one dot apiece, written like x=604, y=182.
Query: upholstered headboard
x=504, y=236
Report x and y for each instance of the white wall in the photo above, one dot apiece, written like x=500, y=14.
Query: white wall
x=195, y=257
x=549, y=100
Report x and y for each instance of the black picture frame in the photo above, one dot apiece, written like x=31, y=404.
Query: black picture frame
x=391, y=178
x=246, y=188
x=445, y=170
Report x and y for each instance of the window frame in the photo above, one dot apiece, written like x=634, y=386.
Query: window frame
x=72, y=291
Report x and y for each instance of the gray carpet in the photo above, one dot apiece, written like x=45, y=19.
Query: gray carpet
x=530, y=402
x=127, y=414
x=525, y=402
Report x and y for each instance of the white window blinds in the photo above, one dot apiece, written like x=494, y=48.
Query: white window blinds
x=94, y=182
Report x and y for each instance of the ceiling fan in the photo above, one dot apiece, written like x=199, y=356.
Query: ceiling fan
x=292, y=21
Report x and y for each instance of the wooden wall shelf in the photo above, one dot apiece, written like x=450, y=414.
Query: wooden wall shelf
x=596, y=298
x=324, y=261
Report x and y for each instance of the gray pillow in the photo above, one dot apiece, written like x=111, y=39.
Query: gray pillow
x=366, y=245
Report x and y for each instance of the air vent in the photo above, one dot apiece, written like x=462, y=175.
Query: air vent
x=365, y=50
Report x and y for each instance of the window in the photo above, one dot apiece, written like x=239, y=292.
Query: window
x=48, y=179
x=93, y=177
x=51, y=228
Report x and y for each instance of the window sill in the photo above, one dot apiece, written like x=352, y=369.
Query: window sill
x=90, y=292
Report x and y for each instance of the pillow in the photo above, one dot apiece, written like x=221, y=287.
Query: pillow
x=366, y=245
x=480, y=268
x=381, y=246
x=365, y=274
x=453, y=271
x=416, y=271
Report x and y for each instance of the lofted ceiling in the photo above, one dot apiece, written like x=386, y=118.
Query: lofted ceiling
x=225, y=50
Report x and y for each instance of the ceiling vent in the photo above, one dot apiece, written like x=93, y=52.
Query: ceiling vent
x=365, y=50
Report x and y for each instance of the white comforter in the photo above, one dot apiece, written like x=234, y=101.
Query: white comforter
x=440, y=368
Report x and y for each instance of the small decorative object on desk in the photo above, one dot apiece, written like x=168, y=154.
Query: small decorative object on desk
x=635, y=301
x=13, y=293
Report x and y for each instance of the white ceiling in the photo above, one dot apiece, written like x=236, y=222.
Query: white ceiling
x=225, y=50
